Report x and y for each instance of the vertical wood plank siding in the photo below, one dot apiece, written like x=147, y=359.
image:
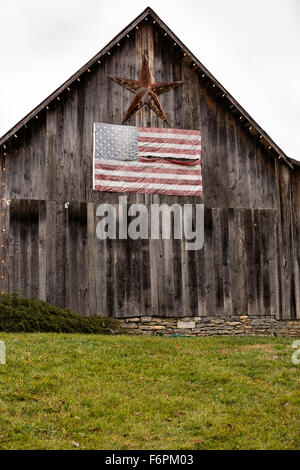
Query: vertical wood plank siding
x=235, y=273
x=250, y=263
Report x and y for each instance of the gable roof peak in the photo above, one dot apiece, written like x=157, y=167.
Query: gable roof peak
x=245, y=118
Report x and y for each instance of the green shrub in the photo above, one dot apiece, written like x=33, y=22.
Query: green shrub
x=32, y=315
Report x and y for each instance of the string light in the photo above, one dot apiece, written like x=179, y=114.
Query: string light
x=78, y=79
x=3, y=215
x=36, y=117
x=47, y=107
x=58, y=98
x=99, y=61
x=88, y=70
x=118, y=44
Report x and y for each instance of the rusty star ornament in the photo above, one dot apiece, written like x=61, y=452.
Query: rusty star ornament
x=146, y=91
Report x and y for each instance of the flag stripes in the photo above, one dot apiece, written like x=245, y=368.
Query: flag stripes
x=169, y=143
x=167, y=162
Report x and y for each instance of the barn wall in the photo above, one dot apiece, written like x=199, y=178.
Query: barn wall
x=250, y=260
x=296, y=236
x=288, y=233
x=54, y=254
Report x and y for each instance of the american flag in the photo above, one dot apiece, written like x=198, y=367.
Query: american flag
x=147, y=160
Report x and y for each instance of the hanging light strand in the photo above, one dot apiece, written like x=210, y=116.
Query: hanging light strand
x=4, y=230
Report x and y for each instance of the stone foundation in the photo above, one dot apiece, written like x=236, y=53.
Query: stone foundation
x=206, y=326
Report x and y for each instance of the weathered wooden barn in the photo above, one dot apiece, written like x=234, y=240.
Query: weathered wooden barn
x=249, y=266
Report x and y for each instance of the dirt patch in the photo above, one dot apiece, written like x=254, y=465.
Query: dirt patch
x=249, y=347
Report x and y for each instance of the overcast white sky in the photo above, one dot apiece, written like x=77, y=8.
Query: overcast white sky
x=252, y=48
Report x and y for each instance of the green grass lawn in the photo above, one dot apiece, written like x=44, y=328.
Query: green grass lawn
x=69, y=391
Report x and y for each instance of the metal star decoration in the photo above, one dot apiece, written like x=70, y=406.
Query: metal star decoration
x=146, y=91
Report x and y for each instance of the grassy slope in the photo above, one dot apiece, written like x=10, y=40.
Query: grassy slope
x=128, y=392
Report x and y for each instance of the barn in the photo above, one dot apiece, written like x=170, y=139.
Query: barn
x=245, y=277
